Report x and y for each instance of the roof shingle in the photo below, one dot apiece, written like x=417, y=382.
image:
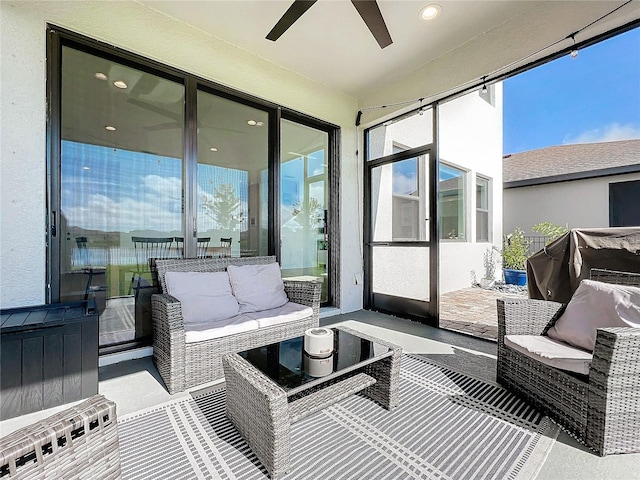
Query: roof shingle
x=569, y=159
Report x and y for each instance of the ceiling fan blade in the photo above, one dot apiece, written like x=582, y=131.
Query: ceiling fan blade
x=295, y=11
x=370, y=13
x=152, y=108
x=162, y=126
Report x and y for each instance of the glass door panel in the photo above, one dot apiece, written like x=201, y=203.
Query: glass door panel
x=411, y=131
x=232, y=184
x=399, y=249
x=121, y=184
x=305, y=248
x=399, y=264
x=398, y=201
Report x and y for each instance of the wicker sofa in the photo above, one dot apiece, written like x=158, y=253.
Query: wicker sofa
x=183, y=364
x=601, y=409
x=79, y=442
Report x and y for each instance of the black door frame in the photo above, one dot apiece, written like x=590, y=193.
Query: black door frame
x=405, y=307
x=57, y=37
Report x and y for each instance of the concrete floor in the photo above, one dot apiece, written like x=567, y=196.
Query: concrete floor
x=135, y=385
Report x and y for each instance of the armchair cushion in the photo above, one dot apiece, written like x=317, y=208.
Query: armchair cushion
x=551, y=352
x=596, y=305
x=257, y=287
x=204, y=297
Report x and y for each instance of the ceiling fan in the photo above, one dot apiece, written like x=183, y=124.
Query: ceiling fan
x=368, y=10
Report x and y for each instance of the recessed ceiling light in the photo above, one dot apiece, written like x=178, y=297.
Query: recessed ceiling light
x=100, y=76
x=120, y=84
x=251, y=122
x=430, y=12
x=213, y=149
x=110, y=128
x=85, y=168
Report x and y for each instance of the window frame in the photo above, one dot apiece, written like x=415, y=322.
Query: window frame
x=617, y=191
x=488, y=210
x=420, y=199
x=465, y=203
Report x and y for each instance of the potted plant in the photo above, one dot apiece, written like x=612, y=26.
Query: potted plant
x=491, y=259
x=514, y=257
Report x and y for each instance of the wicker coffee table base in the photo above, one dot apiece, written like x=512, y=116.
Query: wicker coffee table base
x=263, y=414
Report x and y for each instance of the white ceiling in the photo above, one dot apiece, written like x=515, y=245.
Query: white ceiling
x=330, y=43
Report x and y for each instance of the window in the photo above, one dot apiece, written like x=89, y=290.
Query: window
x=451, y=198
x=482, y=209
x=624, y=198
x=407, y=201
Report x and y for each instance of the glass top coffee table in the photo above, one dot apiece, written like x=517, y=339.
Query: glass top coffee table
x=291, y=368
x=270, y=387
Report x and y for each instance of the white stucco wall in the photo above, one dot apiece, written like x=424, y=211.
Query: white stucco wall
x=131, y=26
x=471, y=139
x=577, y=204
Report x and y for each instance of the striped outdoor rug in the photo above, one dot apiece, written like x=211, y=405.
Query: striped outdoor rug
x=448, y=426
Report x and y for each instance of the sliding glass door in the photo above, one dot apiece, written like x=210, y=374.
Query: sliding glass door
x=304, y=199
x=121, y=187
x=232, y=179
x=147, y=162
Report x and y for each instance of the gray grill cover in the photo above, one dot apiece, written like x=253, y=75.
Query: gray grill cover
x=555, y=272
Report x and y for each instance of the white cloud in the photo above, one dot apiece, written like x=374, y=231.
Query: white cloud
x=158, y=207
x=609, y=133
x=165, y=186
x=123, y=215
x=403, y=184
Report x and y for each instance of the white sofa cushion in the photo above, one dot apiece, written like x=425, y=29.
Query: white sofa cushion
x=289, y=312
x=257, y=287
x=204, y=297
x=596, y=305
x=201, y=331
x=551, y=352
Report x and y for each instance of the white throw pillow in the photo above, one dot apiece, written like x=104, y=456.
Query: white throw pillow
x=257, y=287
x=596, y=305
x=204, y=297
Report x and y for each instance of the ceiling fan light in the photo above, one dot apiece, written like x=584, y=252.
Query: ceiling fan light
x=430, y=12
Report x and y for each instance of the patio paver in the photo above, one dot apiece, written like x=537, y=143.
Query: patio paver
x=472, y=311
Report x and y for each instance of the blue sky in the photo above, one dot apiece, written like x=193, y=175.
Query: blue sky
x=592, y=98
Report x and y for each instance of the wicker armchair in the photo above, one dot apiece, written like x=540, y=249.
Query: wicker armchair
x=183, y=365
x=602, y=410
x=80, y=442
